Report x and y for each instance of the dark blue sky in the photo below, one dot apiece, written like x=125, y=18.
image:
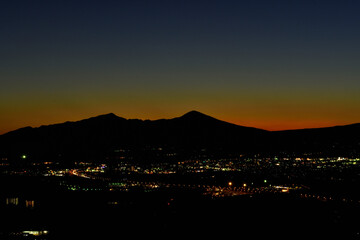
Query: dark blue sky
x=269, y=64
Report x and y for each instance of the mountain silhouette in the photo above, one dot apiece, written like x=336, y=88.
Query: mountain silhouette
x=191, y=136
x=192, y=115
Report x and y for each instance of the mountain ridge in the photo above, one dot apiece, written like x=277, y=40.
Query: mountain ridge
x=192, y=135
x=191, y=115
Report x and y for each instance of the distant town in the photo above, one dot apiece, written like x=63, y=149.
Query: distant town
x=220, y=177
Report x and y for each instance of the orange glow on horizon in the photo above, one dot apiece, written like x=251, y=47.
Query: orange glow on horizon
x=15, y=122
x=281, y=124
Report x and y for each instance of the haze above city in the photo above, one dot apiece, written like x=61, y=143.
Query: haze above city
x=272, y=65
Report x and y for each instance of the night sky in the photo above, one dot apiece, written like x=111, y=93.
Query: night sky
x=267, y=64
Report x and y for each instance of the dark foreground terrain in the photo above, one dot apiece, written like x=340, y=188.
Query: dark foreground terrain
x=48, y=212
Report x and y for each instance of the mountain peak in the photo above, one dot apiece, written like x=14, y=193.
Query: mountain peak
x=195, y=115
x=108, y=116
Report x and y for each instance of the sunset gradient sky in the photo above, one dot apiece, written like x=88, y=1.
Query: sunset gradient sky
x=262, y=63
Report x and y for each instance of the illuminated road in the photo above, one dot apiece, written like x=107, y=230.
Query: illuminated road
x=213, y=191
x=75, y=172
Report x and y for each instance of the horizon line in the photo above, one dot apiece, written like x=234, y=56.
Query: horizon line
x=189, y=112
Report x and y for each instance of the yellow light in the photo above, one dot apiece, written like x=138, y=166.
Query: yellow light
x=244, y=185
x=29, y=203
x=230, y=183
x=36, y=233
x=23, y=156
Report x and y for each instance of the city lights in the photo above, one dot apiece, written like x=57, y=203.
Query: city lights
x=35, y=233
x=243, y=179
